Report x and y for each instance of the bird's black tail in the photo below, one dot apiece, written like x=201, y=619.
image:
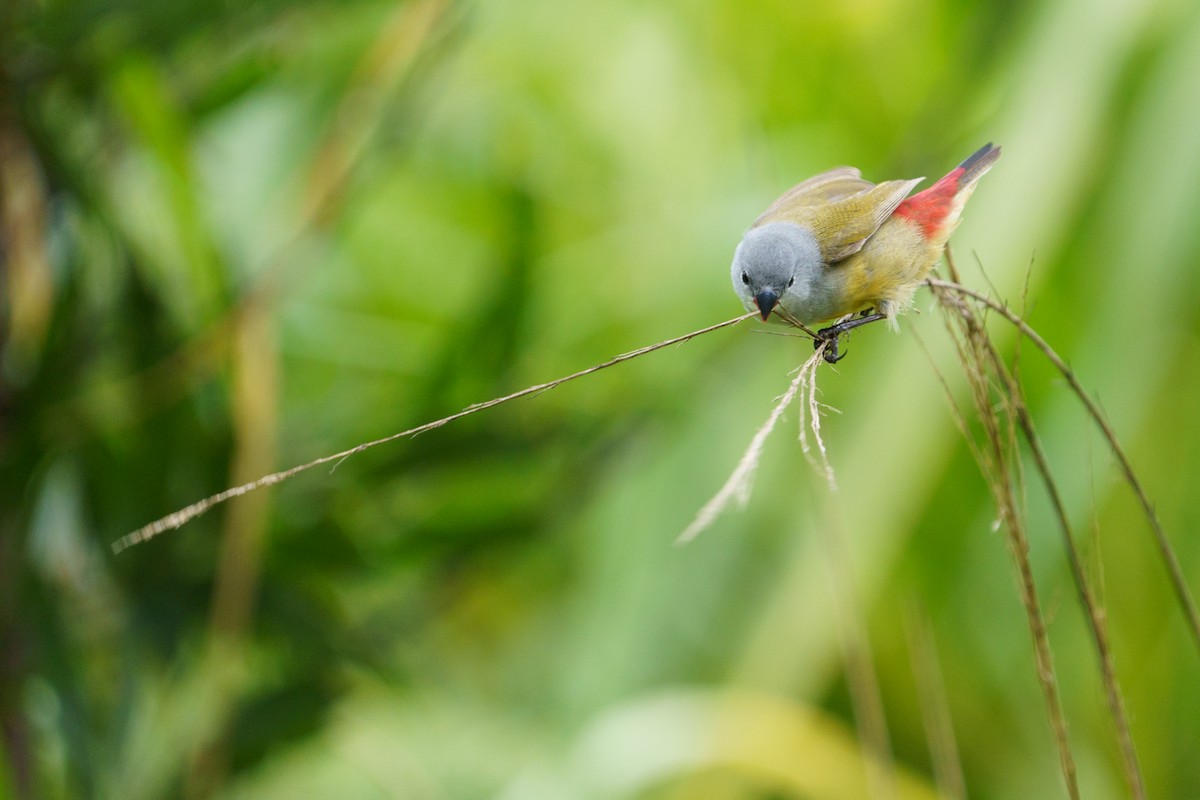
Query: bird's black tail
x=976, y=164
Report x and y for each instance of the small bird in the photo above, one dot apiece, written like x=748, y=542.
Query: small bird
x=836, y=245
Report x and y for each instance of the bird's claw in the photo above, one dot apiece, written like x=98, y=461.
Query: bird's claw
x=829, y=336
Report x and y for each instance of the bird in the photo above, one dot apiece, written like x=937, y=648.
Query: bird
x=837, y=245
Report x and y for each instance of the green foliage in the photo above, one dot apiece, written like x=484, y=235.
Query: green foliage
x=237, y=236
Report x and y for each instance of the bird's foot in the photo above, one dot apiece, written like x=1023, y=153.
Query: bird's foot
x=830, y=335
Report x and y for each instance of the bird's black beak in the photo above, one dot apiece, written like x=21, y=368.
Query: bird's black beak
x=766, y=300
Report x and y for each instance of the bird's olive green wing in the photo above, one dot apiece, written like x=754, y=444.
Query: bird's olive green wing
x=832, y=185
x=840, y=209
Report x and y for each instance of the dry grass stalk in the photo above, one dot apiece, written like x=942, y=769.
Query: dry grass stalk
x=737, y=486
x=1013, y=394
x=1092, y=607
x=185, y=515
x=999, y=463
x=1166, y=550
x=817, y=456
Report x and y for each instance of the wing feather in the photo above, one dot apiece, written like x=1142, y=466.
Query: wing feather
x=830, y=185
x=840, y=209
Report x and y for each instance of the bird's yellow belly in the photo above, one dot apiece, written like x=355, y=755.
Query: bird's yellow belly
x=886, y=272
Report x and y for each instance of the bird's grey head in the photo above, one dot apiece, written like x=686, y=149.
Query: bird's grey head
x=775, y=262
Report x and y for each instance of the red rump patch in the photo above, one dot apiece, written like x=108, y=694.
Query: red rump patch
x=930, y=207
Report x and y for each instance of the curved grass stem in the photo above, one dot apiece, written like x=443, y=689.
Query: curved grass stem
x=986, y=361
x=1166, y=551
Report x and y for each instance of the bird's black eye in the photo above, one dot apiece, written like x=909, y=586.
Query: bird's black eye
x=745, y=279
x=792, y=281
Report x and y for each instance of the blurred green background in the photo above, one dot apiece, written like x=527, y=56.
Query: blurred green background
x=237, y=236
